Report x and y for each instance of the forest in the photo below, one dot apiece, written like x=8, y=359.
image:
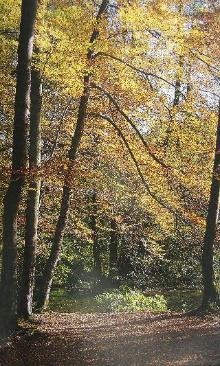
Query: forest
x=109, y=174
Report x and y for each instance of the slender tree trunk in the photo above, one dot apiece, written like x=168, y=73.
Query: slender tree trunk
x=177, y=93
x=209, y=291
x=113, y=250
x=124, y=261
x=55, y=250
x=32, y=210
x=8, y=293
x=96, y=246
x=176, y=101
x=64, y=209
x=65, y=202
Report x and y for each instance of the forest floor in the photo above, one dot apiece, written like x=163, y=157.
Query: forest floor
x=125, y=339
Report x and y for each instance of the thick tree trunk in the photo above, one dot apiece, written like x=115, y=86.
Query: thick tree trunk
x=64, y=209
x=8, y=292
x=96, y=245
x=209, y=291
x=32, y=210
x=113, y=250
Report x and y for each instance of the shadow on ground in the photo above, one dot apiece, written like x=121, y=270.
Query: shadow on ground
x=136, y=339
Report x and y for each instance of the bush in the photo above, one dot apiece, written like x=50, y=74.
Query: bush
x=125, y=299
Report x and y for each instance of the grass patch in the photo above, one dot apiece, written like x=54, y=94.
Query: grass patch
x=183, y=300
x=125, y=299
x=120, y=300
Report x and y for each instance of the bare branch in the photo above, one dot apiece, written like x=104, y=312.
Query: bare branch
x=10, y=33
x=60, y=127
x=210, y=66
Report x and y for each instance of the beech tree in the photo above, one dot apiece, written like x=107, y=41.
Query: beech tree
x=32, y=209
x=210, y=294
x=113, y=250
x=95, y=237
x=76, y=139
x=8, y=301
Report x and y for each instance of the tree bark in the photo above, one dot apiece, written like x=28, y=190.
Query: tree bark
x=64, y=209
x=32, y=210
x=8, y=300
x=96, y=246
x=113, y=250
x=209, y=290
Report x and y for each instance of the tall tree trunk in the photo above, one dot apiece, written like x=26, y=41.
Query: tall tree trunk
x=64, y=209
x=209, y=291
x=32, y=210
x=96, y=246
x=8, y=292
x=113, y=250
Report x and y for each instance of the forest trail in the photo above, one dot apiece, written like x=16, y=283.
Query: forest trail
x=129, y=339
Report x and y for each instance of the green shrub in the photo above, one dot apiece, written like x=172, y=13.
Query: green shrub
x=129, y=300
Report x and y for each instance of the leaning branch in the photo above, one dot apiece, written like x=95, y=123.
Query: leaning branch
x=138, y=70
x=152, y=194
x=131, y=123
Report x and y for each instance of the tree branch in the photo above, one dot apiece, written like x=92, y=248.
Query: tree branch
x=140, y=71
x=114, y=102
x=210, y=66
x=60, y=127
x=152, y=194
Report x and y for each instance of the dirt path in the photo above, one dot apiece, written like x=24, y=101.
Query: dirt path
x=116, y=340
